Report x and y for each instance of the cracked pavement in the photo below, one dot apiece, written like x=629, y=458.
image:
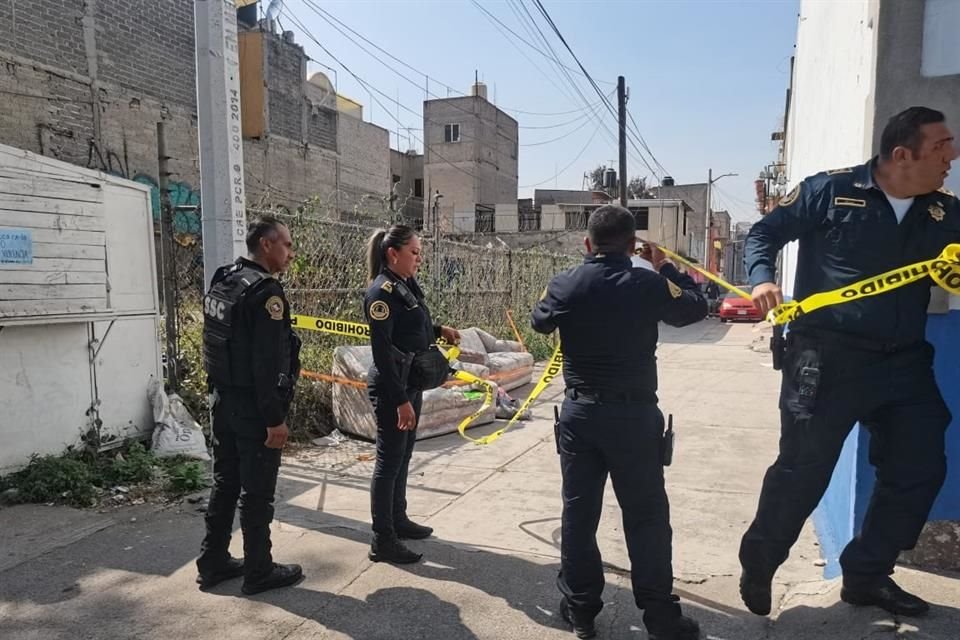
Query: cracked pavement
x=489, y=571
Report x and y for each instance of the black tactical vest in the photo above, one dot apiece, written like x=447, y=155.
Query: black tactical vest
x=226, y=348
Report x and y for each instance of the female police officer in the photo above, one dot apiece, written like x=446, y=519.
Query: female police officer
x=405, y=362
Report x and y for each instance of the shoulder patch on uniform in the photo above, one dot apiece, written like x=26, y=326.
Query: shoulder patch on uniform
x=791, y=197
x=387, y=286
x=379, y=310
x=946, y=191
x=840, y=201
x=834, y=172
x=675, y=291
x=274, y=307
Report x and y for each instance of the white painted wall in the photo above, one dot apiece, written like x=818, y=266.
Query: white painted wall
x=831, y=115
x=60, y=374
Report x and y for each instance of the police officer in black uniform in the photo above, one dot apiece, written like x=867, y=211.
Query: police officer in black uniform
x=607, y=313
x=251, y=356
x=406, y=362
x=865, y=360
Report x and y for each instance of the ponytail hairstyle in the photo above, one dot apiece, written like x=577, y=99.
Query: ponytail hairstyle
x=395, y=237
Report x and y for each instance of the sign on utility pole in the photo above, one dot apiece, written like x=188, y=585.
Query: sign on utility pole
x=221, y=136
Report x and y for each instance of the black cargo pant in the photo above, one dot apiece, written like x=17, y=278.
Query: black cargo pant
x=245, y=470
x=622, y=439
x=388, y=489
x=895, y=396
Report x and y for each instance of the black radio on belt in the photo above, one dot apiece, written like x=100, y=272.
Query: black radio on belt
x=807, y=383
x=778, y=345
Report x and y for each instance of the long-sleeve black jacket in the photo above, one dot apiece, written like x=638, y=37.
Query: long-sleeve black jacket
x=607, y=313
x=395, y=324
x=848, y=232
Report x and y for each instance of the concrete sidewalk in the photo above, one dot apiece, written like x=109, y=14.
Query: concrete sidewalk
x=489, y=572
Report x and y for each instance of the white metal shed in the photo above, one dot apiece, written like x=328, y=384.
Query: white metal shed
x=79, y=312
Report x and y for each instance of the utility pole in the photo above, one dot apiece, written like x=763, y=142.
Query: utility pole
x=622, y=107
x=707, y=249
x=706, y=222
x=167, y=261
x=436, y=242
x=224, y=221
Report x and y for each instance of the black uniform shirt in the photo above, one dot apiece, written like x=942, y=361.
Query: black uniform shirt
x=394, y=325
x=275, y=348
x=848, y=232
x=607, y=313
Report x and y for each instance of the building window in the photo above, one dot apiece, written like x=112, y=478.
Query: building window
x=684, y=223
x=529, y=219
x=485, y=218
x=418, y=188
x=642, y=217
x=940, y=54
x=451, y=133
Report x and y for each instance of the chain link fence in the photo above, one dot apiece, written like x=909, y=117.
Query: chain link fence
x=466, y=285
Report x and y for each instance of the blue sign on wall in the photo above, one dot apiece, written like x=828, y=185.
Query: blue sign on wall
x=16, y=246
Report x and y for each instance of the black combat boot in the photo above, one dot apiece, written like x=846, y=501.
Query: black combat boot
x=756, y=591
x=581, y=627
x=232, y=568
x=409, y=530
x=390, y=549
x=664, y=621
x=884, y=593
x=282, y=575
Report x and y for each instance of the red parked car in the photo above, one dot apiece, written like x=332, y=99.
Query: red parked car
x=733, y=307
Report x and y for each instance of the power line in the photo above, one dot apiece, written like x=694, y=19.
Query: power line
x=604, y=99
x=326, y=15
x=556, y=175
x=556, y=30
x=471, y=113
x=566, y=135
x=519, y=37
x=369, y=87
x=636, y=130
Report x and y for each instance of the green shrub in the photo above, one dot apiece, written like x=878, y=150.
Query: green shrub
x=68, y=479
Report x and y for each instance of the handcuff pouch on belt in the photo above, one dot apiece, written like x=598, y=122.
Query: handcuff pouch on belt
x=778, y=345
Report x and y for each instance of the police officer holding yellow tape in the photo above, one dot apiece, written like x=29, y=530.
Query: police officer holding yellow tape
x=864, y=360
x=607, y=313
x=251, y=357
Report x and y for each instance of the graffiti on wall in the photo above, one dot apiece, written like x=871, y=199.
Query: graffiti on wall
x=183, y=199
x=108, y=161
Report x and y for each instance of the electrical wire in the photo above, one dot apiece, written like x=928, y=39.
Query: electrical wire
x=371, y=88
x=329, y=16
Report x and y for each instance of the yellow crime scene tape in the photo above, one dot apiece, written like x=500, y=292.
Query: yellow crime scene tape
x=361, y=330
x=944, y=270
x=550, y=372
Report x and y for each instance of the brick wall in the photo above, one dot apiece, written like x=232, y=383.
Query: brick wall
x=148, y=46
x=286, y=73
x=145, y=73
x=47, y=31
x=365, y=154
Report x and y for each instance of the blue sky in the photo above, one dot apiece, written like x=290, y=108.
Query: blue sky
x=707, y=78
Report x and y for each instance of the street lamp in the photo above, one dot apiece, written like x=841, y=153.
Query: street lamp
x=706, y=234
